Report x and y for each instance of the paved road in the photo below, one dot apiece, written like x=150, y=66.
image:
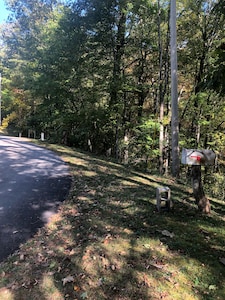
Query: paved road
x=33, y=182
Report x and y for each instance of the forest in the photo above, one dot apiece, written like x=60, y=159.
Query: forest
x=96, y=75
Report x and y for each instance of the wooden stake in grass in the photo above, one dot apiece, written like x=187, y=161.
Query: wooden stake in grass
x=201, y=200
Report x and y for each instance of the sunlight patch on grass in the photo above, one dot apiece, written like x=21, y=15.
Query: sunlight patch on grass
x=128, y=183
x=89, y=173
x=83, y=198
x=164, y=285
x=110, y=238
x=76, y=161
x=49, y=289
x=55, y=218
x=120, y=257
x=141, y=180
x=6, y=294
x=177, y=274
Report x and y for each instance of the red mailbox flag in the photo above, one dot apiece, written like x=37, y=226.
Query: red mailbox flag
x=198, y=157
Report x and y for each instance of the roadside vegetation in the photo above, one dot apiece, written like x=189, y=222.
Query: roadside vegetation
x=109, y=242
x=96, y=75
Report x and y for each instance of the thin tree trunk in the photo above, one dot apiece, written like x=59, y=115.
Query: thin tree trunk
x=200, y=198
x=174, y=94
x=163, y=84
x=118, y=53
x=165, y=93
x=116, y=80
x=167, y=152
x=161, y=96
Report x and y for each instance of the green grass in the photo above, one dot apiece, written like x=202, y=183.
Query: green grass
x=108, y=242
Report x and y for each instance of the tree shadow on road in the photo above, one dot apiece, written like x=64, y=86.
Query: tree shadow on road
x=33, y=183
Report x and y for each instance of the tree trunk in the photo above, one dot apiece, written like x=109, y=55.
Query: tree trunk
x=161, y=96
x=200, y=198
x=116, y=83
x=174, y=94
x=163, y=83
x=118, y=52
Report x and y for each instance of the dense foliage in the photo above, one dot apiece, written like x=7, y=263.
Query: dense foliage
x=96, y=74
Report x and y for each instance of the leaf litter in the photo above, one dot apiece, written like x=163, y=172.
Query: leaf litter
x=104, y=243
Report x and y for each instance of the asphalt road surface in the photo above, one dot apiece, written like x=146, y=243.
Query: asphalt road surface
x=33, y=182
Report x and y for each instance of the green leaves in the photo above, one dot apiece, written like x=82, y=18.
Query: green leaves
x=97, y=70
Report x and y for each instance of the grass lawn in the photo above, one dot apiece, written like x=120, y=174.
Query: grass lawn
x=109, y=242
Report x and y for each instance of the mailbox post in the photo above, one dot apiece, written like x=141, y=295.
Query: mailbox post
x=196, y=158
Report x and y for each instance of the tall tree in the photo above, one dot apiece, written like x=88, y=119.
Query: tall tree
x=174, y=93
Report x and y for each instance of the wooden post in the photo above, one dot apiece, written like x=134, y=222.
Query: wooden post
x=200, y=198
x=42, y=136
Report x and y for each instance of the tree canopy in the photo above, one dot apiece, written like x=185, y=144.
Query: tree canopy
x=96, y=75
